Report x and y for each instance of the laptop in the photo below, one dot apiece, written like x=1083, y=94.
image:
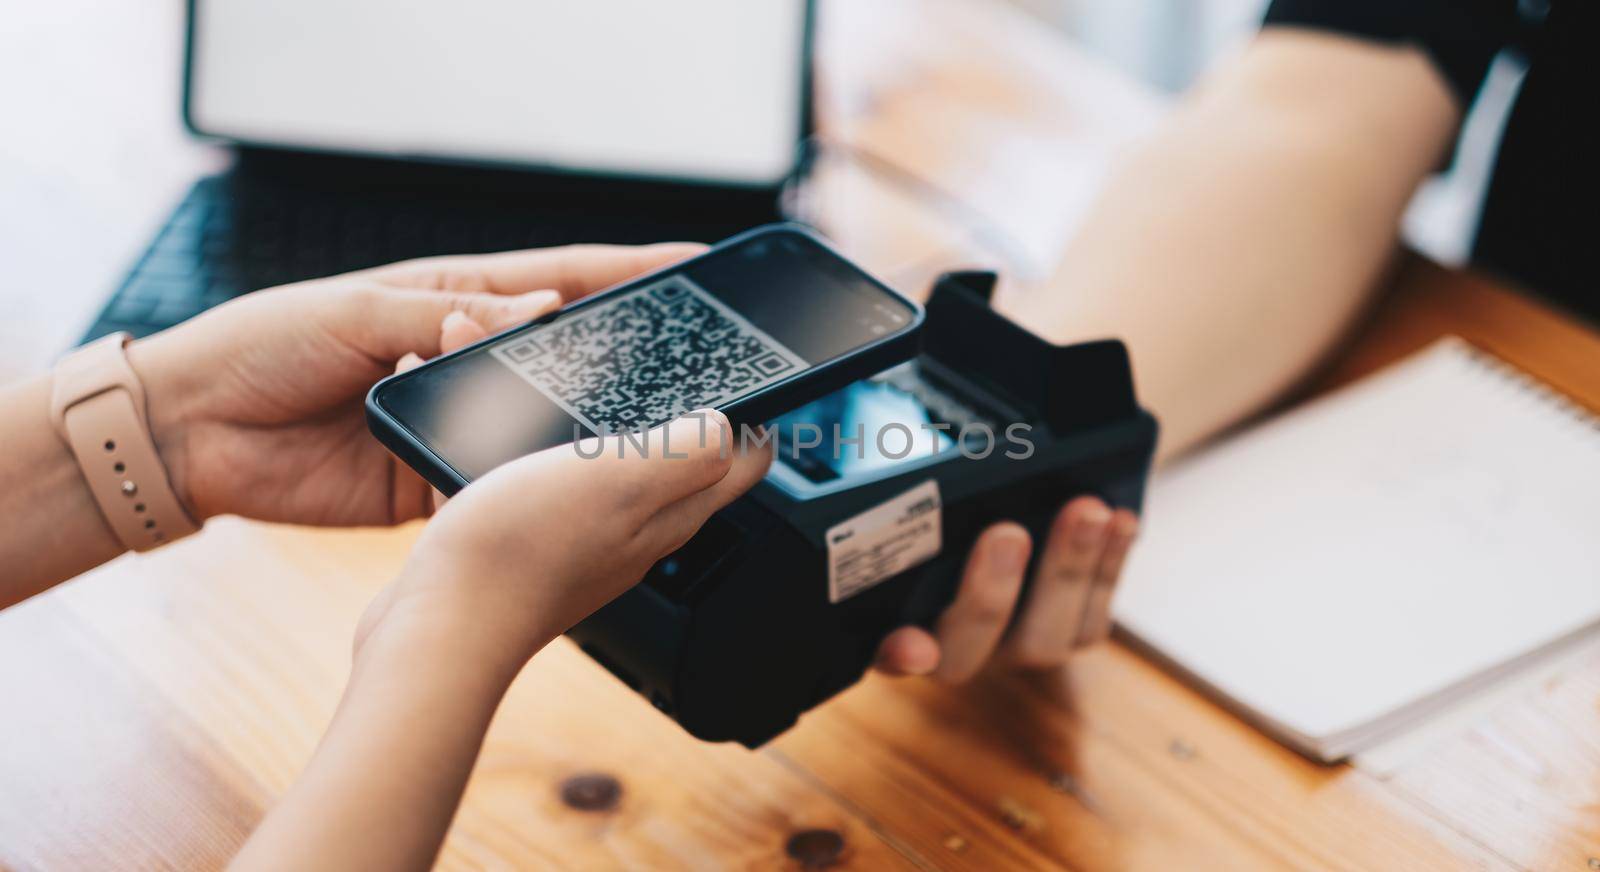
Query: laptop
x=370, y=131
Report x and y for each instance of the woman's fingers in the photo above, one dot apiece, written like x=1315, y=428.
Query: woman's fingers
x=970, y=629
x=669, y=479
x=643, y=473
x=459, y=331
x=1120, y=533
x=1056, y=603
x=394, y=309
x=673, y=525
x=573, y=270
x=385, y=323
x=908, y=651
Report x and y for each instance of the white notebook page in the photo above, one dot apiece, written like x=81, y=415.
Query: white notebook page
x=1376, y=546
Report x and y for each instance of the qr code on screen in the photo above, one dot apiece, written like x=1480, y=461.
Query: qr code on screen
x=647, y=356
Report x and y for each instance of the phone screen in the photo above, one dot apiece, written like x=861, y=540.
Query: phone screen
x=716, y=328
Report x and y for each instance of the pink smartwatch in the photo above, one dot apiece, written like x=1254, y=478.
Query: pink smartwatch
x=98, y=407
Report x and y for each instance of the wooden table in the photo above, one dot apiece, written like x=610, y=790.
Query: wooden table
x=152, y=710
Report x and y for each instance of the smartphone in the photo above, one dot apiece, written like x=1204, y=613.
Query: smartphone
x=759, y=325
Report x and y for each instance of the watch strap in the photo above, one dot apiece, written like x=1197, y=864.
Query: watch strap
x=97, y=404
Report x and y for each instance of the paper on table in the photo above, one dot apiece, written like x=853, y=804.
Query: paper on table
x=1336, y=571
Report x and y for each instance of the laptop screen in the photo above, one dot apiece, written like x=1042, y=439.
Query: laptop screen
x=694, y=90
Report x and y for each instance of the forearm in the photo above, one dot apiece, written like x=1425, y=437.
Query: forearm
x=1237, y=246
x=53, y=529
x=385, y=781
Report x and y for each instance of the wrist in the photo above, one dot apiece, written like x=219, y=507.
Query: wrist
x=171, y=407
x=432, y=656
x=55, y=529
x=439, y=614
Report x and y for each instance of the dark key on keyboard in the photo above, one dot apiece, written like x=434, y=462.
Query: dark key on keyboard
x=232, y=235
x=228, y=238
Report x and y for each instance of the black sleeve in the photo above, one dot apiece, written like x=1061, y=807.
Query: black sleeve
x=1461, y=36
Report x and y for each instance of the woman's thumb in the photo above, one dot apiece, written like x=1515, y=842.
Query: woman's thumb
x=390, y=322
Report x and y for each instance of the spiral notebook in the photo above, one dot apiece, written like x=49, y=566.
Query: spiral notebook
x=1344, y=572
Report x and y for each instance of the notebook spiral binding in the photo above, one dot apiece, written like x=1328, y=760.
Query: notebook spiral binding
x=1533, y=385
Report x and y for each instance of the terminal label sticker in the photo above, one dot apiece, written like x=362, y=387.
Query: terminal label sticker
x=884, y=541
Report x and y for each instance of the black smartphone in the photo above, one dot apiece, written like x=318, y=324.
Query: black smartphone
x=760, y=324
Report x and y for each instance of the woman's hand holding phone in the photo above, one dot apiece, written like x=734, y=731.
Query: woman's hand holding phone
x=538, y=544
x=256, y=406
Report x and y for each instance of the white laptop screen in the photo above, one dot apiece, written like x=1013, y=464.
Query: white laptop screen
x=699, y=90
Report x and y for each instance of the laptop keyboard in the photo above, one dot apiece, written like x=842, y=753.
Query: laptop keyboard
x=229, y=237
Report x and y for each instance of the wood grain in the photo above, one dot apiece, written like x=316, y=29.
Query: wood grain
x=1131, y=771
x=96, y=770
x=241, y=636
x=1526, y=779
